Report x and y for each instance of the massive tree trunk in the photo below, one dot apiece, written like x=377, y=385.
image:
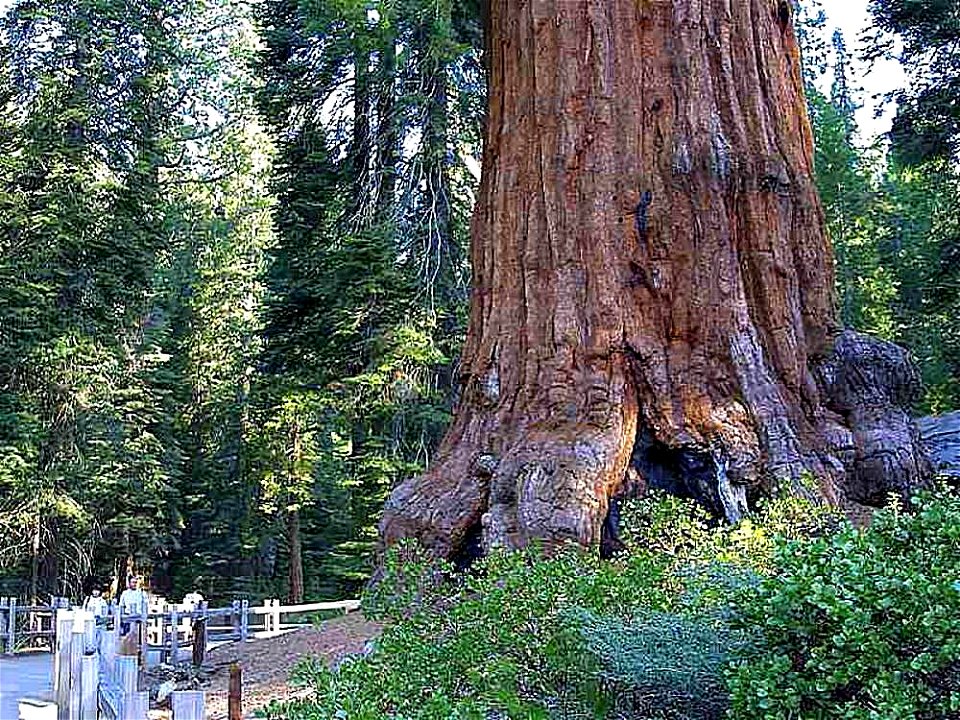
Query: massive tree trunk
x=653, y=285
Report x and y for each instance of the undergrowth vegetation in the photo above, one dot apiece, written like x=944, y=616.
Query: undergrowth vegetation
x=790, y=614
x=858, y=625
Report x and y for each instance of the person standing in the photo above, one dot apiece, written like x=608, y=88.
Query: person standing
x=193, y=600
x=133, y=601
x=95, y=602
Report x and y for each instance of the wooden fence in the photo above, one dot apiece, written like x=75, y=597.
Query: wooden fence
x=170, y=629
x=94, y=680
x=176, y=629
x=22, y=624
x=272, y=613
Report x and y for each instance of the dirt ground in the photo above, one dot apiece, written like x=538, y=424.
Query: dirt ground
x=266, y=663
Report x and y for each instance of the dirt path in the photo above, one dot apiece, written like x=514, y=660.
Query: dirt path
x=267, y=663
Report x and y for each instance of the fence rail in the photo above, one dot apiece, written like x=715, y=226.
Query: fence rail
x=169, y=629
x=21, y=621
x=272, y=612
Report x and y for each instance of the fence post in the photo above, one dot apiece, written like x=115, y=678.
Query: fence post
x=275, y=623
x=235, y=693
x=200, y=637
x=187, y=705
x=89, y=683
x=4, y=647
x=12, y=626
x=235, y=619
x=34, y=623
x=63, y=621
x=244, y=620
x=174, y=634
x=110, y=643
x=142, y=642
x=154, y=625
x=135, y=706
x=89, y=629
x=127, y=676
x=127, y=671
x=76, y=664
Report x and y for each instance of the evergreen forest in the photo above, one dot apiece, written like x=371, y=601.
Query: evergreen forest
x=234, y=288
x=234, y=269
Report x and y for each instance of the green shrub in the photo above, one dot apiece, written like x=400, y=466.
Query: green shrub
x=409, y=579
x=670, y=665
x=683, y=531
x=859, y=625
x=567, y=636
x=496, y=642
x=664, y=665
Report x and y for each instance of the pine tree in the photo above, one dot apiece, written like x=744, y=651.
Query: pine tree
x=108, y=99
x=367, y=285
x=927, y=125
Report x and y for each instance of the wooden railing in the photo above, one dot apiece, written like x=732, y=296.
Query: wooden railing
x=93, y=679
x=170, y=628
x=23, y=624
x=273, y=612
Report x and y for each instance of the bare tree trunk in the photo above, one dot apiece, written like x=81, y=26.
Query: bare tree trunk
x=388, y=153
x=653, y=285
x=442, y=252
x=360, y=147
x=35, y=560
x=296, y=556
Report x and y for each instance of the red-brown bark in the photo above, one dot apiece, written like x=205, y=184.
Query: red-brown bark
x=649, y=255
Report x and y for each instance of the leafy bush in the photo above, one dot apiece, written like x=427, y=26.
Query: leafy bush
x=497, y=642
x=684, y=531
x=409, y=579
x=671, y=665
x=860, y=625
x=565, y=636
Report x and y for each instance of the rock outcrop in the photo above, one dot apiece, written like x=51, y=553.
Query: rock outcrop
x=872, y=384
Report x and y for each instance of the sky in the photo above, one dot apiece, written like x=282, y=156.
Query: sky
x=851, y=17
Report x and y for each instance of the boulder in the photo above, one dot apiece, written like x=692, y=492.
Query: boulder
x=941, y=435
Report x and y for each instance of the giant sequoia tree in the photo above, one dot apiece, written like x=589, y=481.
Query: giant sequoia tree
x=653, y=288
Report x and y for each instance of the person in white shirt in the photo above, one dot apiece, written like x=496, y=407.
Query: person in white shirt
x=193, y=600
x=95, y=602
x=133, y=601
